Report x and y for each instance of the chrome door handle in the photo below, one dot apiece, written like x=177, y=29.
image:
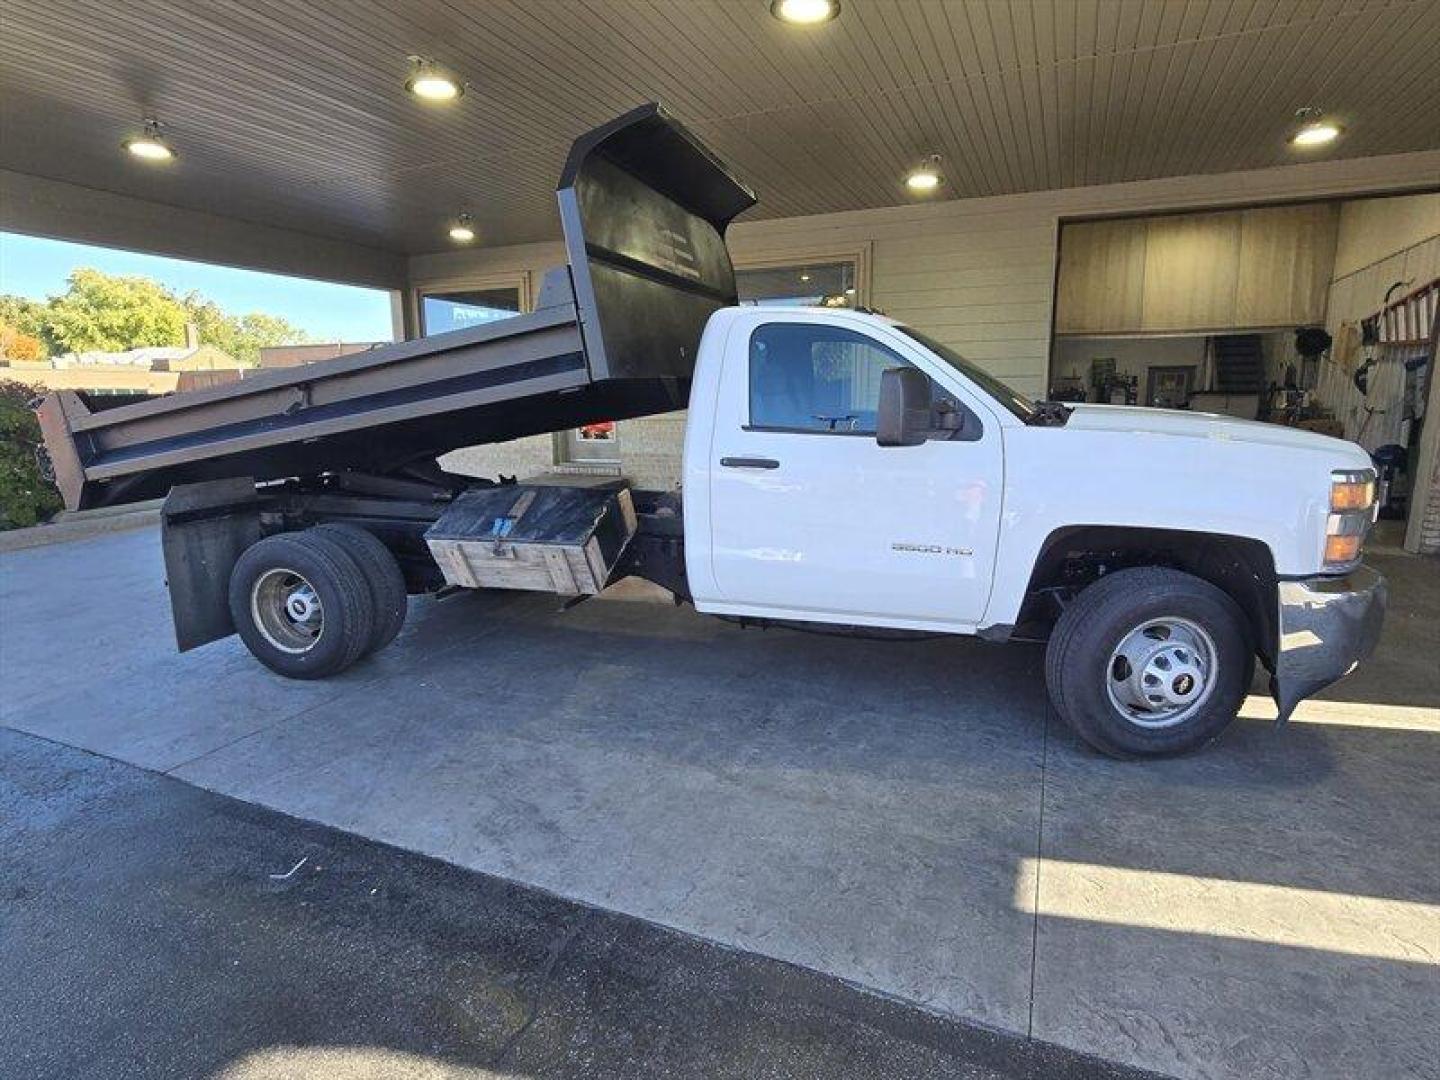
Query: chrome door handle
x=749, y=463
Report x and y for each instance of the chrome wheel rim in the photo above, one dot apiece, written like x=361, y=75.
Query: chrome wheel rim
x=287, y=611
x=1162, y=672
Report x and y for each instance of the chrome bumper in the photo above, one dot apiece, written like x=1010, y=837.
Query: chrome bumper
x=1327, y=626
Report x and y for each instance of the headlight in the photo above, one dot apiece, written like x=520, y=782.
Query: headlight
x=1352, y=509
x=1352, y=490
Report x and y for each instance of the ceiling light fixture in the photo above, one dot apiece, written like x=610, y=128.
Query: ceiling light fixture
x=927, y=177
x=804, y=277
x=1314, y=130
x=804, y=12
x=430, y=82
x=462, y=231
x=150, y=145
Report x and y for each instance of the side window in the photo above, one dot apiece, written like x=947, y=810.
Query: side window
x=812, y=377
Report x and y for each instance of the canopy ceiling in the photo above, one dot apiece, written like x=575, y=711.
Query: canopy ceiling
x=294, y=114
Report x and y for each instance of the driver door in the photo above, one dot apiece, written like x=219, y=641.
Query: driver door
x=811, y=518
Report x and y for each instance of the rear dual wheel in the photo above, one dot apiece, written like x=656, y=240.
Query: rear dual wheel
x=310, y=604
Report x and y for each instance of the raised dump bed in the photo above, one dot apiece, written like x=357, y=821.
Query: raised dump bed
x=644, y=208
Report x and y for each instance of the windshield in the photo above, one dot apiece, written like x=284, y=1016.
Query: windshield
x=1017, y=403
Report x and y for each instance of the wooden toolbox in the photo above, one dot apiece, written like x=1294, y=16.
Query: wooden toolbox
x=530, y=536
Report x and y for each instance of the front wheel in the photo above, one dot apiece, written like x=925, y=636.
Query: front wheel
x=1149, y=662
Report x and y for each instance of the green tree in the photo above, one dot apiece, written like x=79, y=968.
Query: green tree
x=241, y=336
x=101, y=312
x=104, y=313
x=26, y=497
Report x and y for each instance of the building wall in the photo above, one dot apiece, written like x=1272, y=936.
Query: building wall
x=283, y=356
x=1374, y=229
x=1390, y=234
x=1381, y=242
x=116, y=378
x=978, y=274
x=1422, y=534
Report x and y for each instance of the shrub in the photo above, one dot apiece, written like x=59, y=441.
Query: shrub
x=26, y=497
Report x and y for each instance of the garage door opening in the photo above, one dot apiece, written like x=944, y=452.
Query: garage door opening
x=1320, y=316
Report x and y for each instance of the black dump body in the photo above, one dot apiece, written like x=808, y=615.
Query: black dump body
x=644, y=207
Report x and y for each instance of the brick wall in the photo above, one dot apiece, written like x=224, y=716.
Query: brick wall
x=1430, y=522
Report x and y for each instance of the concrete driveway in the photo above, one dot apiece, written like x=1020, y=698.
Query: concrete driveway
x=908, y=817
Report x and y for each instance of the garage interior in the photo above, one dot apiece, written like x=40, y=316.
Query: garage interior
x=910, y=820
x=1318, y=315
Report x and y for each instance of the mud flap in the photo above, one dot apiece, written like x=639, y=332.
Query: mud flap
x=204, y=528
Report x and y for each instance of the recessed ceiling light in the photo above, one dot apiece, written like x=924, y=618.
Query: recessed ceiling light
x=804, y=12
x=926, y=177
x=804, y=277
x=150, y=145
x=462, y=231
x=430, y=82
x=1314, y=130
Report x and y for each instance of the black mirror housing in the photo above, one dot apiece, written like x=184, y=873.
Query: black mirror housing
x=903, y=415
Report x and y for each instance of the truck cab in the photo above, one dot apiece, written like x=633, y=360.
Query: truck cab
x=841, y=468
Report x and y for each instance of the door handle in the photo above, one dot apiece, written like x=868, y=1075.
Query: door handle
x=749, y=463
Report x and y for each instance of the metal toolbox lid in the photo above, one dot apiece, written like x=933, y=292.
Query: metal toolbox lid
x=531, y=514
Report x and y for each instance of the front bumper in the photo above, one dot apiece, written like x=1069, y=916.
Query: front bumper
x=1326, y=627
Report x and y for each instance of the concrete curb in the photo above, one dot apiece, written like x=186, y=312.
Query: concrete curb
x=82, y=525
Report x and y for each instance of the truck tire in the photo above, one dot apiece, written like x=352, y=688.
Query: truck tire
x=1149, y=662
x=382, y=574
x=301, y=604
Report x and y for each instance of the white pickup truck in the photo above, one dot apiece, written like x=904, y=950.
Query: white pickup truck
x=842, y=472
x=842, y=468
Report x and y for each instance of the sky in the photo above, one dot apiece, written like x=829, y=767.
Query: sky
x=35, y=267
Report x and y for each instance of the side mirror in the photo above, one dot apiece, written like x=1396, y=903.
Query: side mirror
x=903, y=416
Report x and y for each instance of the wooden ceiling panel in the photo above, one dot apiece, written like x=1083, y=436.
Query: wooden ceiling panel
x=294, y=114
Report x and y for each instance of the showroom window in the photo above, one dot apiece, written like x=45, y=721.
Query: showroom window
x=829, y=284
x=811, y=377
x=460, y=309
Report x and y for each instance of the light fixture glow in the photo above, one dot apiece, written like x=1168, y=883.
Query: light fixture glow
x=430, y=82
x=1316, y=134
x=1314, y=129
x=151, y=145
x=926, y=178
x=804, y=277
x=463, y=230
x=804, y=12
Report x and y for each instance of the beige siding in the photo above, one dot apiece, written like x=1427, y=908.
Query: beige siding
x=1374, y=229
x=978, y=274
